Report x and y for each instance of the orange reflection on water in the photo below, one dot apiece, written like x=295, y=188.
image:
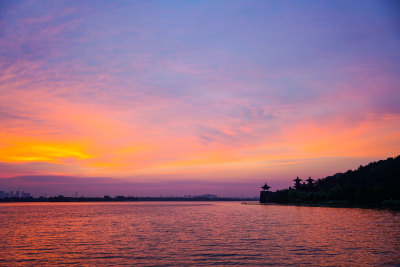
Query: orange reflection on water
x=185, y=233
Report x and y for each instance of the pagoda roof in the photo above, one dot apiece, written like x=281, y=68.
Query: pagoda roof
x=310, y=179
x=297, y=179
x=265, y=187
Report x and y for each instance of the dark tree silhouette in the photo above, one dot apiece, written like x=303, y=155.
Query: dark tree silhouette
x=377, y=183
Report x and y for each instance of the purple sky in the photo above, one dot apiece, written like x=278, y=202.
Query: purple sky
x=182, y=97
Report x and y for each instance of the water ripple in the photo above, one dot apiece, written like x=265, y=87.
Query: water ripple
x=202, y=234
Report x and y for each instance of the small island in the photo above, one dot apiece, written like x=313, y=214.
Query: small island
x=374, y=185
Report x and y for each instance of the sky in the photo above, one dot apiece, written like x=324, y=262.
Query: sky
x=159, y=98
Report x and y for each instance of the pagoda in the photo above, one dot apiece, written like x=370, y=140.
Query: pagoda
x=297, y=184
x=265, y=187
x=303, y=186
x=264, y=193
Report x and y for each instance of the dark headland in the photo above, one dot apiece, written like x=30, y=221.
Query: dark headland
x=374, y=185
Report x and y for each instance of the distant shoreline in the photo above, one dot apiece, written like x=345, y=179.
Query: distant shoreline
x=118, y=199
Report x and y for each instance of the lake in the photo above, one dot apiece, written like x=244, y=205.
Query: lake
x=195, y=233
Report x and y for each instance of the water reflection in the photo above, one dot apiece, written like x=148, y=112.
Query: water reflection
x=195, y=233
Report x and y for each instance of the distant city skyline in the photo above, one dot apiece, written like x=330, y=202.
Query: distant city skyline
x=23, y=194
x=14, y=194
x=194, y=97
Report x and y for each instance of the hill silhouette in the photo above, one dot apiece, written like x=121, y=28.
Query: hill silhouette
x=376, y=184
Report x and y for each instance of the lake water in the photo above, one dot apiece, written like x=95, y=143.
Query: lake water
x=187, y=233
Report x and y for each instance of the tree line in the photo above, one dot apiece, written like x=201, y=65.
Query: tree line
x=377, y=183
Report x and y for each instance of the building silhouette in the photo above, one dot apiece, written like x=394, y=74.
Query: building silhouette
x=17, y=194
x=302, y=186
x=264, y=193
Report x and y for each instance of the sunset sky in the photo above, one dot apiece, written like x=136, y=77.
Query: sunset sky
x=192, y=97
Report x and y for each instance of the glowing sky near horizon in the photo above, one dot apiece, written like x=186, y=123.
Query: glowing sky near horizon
x=210, y=91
